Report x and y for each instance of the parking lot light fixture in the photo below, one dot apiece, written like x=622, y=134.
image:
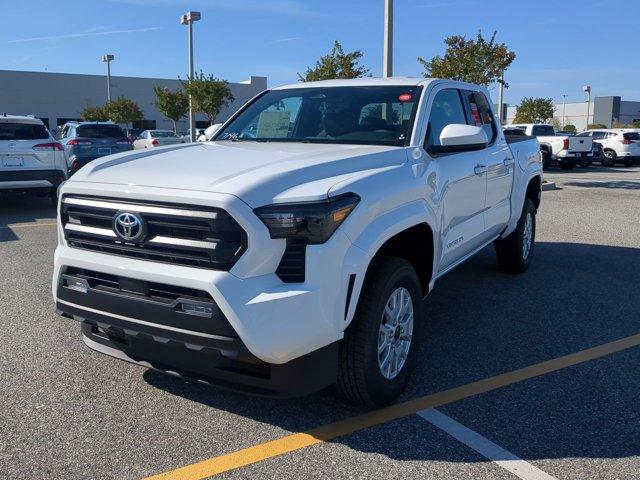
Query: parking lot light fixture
x=108, y=58
x=188, y=19
x=587, y=90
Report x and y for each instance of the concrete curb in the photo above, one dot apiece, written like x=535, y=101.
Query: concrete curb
x=549, y=186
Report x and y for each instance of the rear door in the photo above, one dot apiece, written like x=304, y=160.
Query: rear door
x=461, y=183
x=25, y=146
x=497, y=159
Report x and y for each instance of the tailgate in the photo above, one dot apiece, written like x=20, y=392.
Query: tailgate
x=580, y=144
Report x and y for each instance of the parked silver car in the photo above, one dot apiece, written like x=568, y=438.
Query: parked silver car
x=156, y=138
x=86, y=141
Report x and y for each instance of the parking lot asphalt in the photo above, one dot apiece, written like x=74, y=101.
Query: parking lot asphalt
x=68, y=412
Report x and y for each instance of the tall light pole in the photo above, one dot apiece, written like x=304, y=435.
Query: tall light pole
x=564, y=106
x=188, y=19
x=108, y=59
x=387, y=60
x=587, y=90
x=501, y=99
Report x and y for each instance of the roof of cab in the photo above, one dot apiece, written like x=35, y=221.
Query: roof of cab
x=20, y=118
x=360, y=82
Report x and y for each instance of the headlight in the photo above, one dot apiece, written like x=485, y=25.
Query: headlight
x=314, y=222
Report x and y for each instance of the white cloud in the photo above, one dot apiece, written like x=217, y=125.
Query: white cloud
x=89, y=33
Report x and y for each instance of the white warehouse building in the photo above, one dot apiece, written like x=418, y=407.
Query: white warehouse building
x=56, y=98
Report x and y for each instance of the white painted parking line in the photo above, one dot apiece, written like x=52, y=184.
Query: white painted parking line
x=484, y=446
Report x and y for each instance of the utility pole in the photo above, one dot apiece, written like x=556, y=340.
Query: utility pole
x=188, y=19
x=387, y=60
x=564, y=105
x=587, y=89
x=108, y=59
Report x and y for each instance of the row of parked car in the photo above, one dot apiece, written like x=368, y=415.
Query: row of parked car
x=32, y=157
x=567, y=150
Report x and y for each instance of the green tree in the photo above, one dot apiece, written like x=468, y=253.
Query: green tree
x=636, y=124
x=173, y=105
x=534, y=110
x=95, y=114
x=475, y=61
x=570, y=128
x=592, y=126
x=124, y=110
x=209, y=94
x=336, y=64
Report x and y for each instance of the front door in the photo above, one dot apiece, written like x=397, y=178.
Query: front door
x=462, y=183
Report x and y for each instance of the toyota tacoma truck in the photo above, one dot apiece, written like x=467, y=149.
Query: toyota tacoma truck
x=566, y=151
x=293, y=250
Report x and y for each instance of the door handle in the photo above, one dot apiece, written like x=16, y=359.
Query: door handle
x=508, y=161
x=480, y=169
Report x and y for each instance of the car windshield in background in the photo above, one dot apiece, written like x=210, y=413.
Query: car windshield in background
x=162, y=134
x=99, y=131
x=631, y=136
x=375, y=115
x=543, y=131
x=22, y=131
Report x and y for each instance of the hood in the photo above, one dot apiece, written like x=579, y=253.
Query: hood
x=258, y=173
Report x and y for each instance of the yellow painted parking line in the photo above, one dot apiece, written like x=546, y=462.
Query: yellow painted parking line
x=27, y=225
x=298, y=441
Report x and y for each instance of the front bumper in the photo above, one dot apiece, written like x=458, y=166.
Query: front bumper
x=273, y=324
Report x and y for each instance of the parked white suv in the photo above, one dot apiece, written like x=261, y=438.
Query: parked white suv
x=30, y=159
x=617, y=145
x=293, y=250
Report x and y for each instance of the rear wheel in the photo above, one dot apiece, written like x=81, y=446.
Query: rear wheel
x=376, y=354
x=546, y=160
x=609, y=159
x=514, y=252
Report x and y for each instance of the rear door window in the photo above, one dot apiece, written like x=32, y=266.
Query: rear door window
x=22, y=131
x=99, y=131
x=479, y=113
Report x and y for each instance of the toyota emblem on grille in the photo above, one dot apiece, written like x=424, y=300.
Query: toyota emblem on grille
x=128, y=226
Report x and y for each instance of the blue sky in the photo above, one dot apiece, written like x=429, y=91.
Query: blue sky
x=560, y=45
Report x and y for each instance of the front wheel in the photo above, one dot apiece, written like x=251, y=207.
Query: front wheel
x=585, y=163
x=376, y=354
x=514, y=252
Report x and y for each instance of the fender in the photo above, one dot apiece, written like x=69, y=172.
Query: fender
x=378, y=232
x=518, y=196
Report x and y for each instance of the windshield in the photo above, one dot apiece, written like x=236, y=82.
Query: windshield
x=22, y=131
x=99, y=131
x=376, y=115
x=162, y=134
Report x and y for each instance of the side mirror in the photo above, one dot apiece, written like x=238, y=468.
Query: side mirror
x=458, y=137
x=211, y=131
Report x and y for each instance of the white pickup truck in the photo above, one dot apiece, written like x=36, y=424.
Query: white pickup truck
x=563, y=150
x=293, y=250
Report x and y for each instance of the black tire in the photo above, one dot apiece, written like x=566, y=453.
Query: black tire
x=568, y=165
x=628, y=162
x=510, y=251
x=610, y=158
x=546, y=160
x=360, y=379
x=585, y=163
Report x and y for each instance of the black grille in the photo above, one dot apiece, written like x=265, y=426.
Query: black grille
x=194, y=236
x=292, y=265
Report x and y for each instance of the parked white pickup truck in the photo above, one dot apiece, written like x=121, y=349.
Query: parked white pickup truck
x=565, y=151
x=294, y=249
